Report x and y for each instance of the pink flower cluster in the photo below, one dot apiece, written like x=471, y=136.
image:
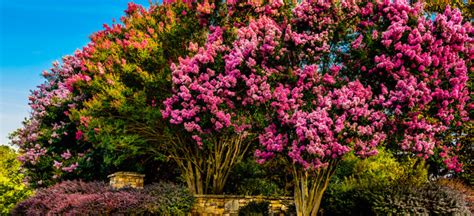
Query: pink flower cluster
x=320, y=98
x=206, y=97
x=197, y=92
x=33, y=154
x=42, y=130
x=424, y=63
x=338, y=120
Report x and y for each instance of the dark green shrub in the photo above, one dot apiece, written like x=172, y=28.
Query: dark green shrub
x=429, y=199
x=291, y=211
x=168, y=199
x=250, y=178
x=255, y=209
x=356, y=201
x=258, y=186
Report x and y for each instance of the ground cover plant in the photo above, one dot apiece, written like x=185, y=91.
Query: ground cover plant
x=98, y=198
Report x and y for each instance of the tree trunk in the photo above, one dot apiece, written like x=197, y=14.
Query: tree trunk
x=309, y=188
x=206, y=170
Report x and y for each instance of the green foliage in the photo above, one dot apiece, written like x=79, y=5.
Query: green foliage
x=250, y=178
x=466, y=7
x=12, y=189
x=169, y=199
x=382, y=169
x=387, y=185
x=254, y=208
x=350, y=192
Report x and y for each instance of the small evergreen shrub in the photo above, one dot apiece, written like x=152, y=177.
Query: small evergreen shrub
x=98, y=198
x=429, y=199
x=168, y=199
x=255, y=209
x=460, y=185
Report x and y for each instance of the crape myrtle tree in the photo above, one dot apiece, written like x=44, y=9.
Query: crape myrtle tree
x=214, y=134
x=100, y=110
x=130, y=63
x=84, y=117
x=325, y=80
x=133, y=78
x=461, y=135
x=48, y=139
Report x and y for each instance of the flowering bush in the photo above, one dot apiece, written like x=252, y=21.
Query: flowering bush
x=97, y=198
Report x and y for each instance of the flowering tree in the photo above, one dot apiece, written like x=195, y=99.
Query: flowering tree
x=131, y=78
x=130, y=63
x=94, y=111
x=213, y=111
x=47, y=141
x=325, y=80
x=461, y=135
x=111, y=96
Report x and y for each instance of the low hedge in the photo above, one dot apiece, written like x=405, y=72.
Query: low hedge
x=402, y=199
x=98, y=198
x=429, y=199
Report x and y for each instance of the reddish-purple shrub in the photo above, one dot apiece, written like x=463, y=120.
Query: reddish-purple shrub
x=78, y=197
x=98, y=198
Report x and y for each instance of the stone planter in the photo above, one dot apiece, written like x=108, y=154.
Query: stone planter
x=126, y=179
x=228, y=205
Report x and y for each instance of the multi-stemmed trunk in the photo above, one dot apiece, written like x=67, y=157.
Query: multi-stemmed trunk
x=206, y=170
x=309, y=188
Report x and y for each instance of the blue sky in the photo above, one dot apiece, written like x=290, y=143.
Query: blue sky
x=34, y=33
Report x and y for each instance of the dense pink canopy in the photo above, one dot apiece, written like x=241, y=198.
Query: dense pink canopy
x=325, y=90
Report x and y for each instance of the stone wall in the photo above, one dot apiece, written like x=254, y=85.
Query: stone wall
x=228, y=205
x=126, y=179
